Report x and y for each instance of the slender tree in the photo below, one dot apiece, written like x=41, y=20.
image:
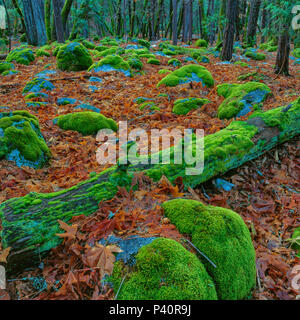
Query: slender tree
x=231, y=13
x=58, y=21
x=174, y=22
x=252, y=22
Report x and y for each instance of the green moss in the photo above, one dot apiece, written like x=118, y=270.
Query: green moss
x=21, y=132
x=74, y=57
x=135, y=63
x=114, y=61
x=147, y=55
x=272, y=48
x=241, y=63
x=174, y=62
x=87, y=123
x=234, y=94
x=164, y=270
x=110, y=51
x=164, y=71
x=6, y=66
x=109, y=42
x=149, y=105
x=186, y=74
x=169, y=52
x=255, y=55
x=21, y=55
x=201, y=43
x=101, y=48
x=223, y=237
x=153, y=61
x=144, y=43
x=42, y=53
x=296, y=53
x=88, y=44
x=296, y=241
x=184, y=106
x=23, y=38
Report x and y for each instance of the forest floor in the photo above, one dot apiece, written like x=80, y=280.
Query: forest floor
x=266, y=191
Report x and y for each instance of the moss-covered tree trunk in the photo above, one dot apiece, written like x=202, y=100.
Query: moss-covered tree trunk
x=20, y=13
x=30, y=223
x=283, y=53
x=48, y=19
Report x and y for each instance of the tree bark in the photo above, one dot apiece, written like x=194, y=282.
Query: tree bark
x=231, y=14
x=30, y=223
x=19, y=11
x=35, y=22
x=283, y=53
x=58, y=21
x=252, y=22
x=174, y=22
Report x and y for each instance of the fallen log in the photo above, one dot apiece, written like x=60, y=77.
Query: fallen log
x=30, y=223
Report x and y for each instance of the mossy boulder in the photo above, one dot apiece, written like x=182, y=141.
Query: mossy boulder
x=135, y=63
x=73, y=57
x=101, y=48
x=144, y=43
x=255, y=55
x=88, y=44
x=149, y=105
x=38, y=85
x=21, y=55
x=111, y=63
x=174, y=62
x=164, y=71
x=153, y=61
x=222, y=236
x=186, y=74
x=87, y=122
x=147, y=55
x=164, y=270
x=6, y=66
x=42, y=53
x=201, y=43
x=184, y=106
x=241, y=99
x=21, y=139
x=110, y=51
x=109, y=42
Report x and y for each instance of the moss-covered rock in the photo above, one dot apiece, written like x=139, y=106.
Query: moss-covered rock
x=110, y=51
x=73, y=57
x=201, y=43
x=255, y=55
x=144, y=43
x=296, y=241
x=174, y=62
x=101, y=48
x=88, y=44
x=242, y=64
x=6, y=66
x=164, y=71
x=223, y=237
x=87, y=123
x=42, y=53
x=164, y=270
x=149, y=105
x=184, y=106
x=111, y=63
x=153, y=61
x=241, y=98
x=109, y=42
x=135, y=63
x=21, y=55
x=21, y=139
x=186, y=74
x=38, y=85
x=169, y=52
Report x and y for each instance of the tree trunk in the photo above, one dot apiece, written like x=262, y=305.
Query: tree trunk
x=8, y=25
x=58, y=21
x=30, y=223
x=174, y=22
x=48, y=19
x=35, y=22
x=229, y=30
x=65, y=14
x=191, y=21
x=19, y=11
x=283, y=53
x=252, y=22
x=263, y=22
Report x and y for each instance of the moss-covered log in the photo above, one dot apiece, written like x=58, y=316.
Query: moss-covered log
x=30, y=223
